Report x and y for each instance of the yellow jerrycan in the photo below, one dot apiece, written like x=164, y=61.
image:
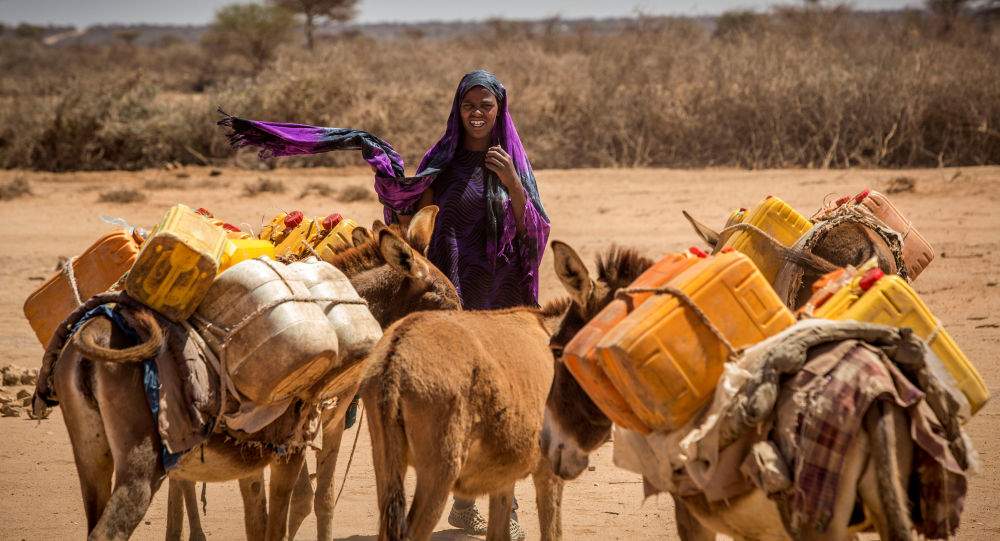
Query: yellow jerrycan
x=776, y=218
x=241, y=249
x=873, y=297
x=335, y=236
x=177, y=263
x=665, y=357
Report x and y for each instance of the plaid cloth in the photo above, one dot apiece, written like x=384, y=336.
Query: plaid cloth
x=820, y=413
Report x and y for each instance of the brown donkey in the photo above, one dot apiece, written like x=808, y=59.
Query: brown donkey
x=575, y=426
x=839, y=243
x=114, y=435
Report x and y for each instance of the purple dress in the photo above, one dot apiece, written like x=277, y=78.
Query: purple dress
x=459, y=244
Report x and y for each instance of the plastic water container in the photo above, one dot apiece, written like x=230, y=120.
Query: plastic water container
x=917, y=252
x=357, y=329
x=335, y=236
x=95, y=270
x=580, y=354
x=177, y=263
x=287, y=343
x=875, y=298
x=241, y=249
x=776, y=218
x=666, y=361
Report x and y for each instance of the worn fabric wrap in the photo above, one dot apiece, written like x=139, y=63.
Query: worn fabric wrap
x=786, y=411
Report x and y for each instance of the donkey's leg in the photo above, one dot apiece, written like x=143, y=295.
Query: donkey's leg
x=284, y=473
x=302, y=501
x=135, y=446
x=548, y=499
x=91, y=451
x=254, y=506
x=498, y=527
x=429, y=499
x=689, y=528
x=326, y=464
x=190, y=492
x=175, y=509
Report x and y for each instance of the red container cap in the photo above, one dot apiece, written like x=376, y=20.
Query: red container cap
x=231, y=227
x=869, y=278
x=331, y=221
x=698, y=252
x=293, y=219
x=727, y=249
x=205, y=212
x=861, y=196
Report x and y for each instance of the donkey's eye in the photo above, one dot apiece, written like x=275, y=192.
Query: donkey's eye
x=557, y=350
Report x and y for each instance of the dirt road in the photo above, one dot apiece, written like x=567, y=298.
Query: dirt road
x=957, y=209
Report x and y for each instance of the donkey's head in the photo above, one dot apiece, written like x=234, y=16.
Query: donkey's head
x=833, y=245
x=390, y=271
x=574, y=425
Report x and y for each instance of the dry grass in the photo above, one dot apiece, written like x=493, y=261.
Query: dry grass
x=352, y=193
x=14, y=189
x=810, y=88
x=316, y=188
x=122, y=195
x=263, y=185
x=157, y=184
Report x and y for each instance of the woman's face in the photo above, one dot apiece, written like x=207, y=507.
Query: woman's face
x=479, y=113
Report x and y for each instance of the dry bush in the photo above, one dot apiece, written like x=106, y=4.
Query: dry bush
x=156, y=184
x=799, y=87
x=15, y=188
x=316, y=188
x=263, y=185
x=122, y=195
x=352, y=193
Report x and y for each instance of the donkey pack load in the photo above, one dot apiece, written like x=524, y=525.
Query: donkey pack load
x=786, y=381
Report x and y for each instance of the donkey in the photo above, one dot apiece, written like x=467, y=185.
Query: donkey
x=114, y=435
x=460, y=396
x=575, y=427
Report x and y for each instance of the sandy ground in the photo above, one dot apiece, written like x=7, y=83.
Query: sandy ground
x=955, y=208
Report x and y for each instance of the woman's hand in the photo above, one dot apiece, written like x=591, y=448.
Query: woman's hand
x=498, y=161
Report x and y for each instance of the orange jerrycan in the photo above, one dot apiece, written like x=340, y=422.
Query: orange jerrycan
x=94, y=271
x=874, y=297
x=776, y=218
x=580, y=356
x=917, y=252
x=666, y=360
x=177, y=263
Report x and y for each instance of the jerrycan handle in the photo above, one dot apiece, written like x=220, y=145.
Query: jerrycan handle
x=683, y=298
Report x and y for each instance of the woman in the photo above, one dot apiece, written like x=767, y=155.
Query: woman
x=492, y=229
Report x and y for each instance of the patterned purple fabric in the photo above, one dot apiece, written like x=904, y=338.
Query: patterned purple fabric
x=488, y=249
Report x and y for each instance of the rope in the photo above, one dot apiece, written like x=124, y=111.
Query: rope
x=683, y=298
x=67, y=270
x=788, y=254
x=350, y=459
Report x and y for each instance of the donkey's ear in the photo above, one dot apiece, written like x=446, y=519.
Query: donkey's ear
x=572, y=273
x=377, y=226
x=421, y=228
x=360, y=235
x=707, y=234
x=400, y=256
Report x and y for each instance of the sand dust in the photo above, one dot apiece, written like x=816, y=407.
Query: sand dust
x=956, y=209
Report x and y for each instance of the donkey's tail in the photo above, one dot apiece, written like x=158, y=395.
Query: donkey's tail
x=380, y=393
x=882, y=429
x=88, y=340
